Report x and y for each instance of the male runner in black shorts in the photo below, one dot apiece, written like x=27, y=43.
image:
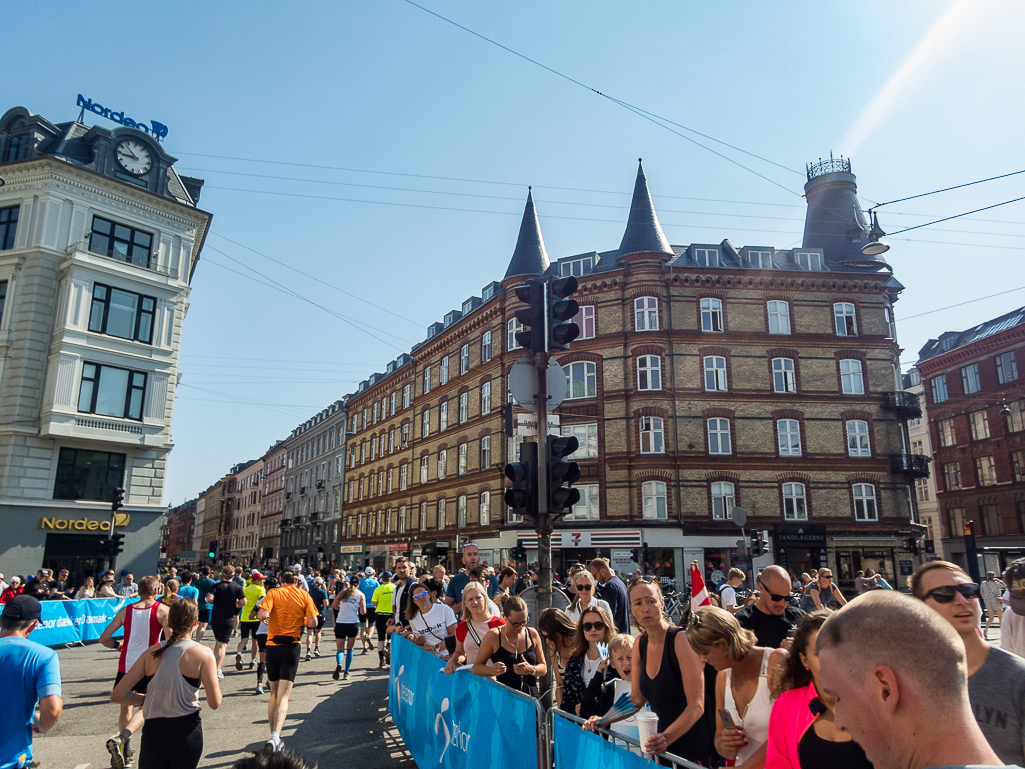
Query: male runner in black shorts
x=285, y=610
x=227, y=598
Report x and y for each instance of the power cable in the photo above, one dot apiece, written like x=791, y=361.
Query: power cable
x=948, y=189
x=961, y=304
x=956, y=216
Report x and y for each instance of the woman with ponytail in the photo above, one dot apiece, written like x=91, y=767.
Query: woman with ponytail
x=172, y=735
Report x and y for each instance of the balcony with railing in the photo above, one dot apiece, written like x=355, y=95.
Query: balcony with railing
x=905, y=404
x=913, y=466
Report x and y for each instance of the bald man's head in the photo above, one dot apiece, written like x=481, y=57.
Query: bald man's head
x=774, y=580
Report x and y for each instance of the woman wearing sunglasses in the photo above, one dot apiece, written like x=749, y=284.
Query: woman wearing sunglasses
x=823, y=592
x=430, y=620
x=514, y=649
x=741, y=686
x=106, y=588
x=477, y=620
x=595, y=627
x=584, y=585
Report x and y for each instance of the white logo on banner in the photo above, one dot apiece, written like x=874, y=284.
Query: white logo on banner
x=404, y=693
x=456, y=736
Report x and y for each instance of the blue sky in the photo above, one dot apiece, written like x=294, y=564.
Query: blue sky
x=402, y=148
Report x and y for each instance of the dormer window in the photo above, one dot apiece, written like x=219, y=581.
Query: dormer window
x=706, y=257
x=808, y=260
x=576, y=267
x=760, y=260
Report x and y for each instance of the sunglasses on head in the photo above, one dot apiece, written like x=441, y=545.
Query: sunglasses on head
x=773, y=596
x=592, y=626
x=946, y=593
x=586, y=586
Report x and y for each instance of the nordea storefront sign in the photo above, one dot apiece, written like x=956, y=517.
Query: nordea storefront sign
x=82, y=524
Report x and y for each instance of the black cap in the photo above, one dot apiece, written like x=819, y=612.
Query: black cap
x=386, y=575
x=22, y=607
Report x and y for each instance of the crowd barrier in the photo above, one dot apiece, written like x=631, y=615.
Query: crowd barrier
x=67, y=622
x=461, y=721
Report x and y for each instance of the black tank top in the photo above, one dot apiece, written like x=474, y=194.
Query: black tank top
x=666, y=697
x=526, y=684
x=816, y=753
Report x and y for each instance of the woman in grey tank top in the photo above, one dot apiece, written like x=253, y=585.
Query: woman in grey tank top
x=172, y=735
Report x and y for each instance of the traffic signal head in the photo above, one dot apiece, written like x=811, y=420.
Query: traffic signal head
x=561, y=311
x=522, y=495
x=117, y=544
x=756, y=545
x=102, y=546
x=119, y=499
x=561, y=474
x=532, y=317
x=212, y=551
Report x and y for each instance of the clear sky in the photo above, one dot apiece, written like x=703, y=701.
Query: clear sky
x=387, y=153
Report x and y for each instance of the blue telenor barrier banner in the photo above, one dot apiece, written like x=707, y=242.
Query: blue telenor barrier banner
x=575, y=747
x=65, y=622
x=461, y=721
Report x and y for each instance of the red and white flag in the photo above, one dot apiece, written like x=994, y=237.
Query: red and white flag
x=698, y=593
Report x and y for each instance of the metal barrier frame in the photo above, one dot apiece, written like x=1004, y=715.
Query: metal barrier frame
x=544, y=741
x=665, y=759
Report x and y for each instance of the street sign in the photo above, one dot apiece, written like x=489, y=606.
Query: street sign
x=740, y=516
x=526, y=424
x=523, y=383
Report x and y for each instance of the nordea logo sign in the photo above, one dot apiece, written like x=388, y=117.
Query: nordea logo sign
x=159, y=130
x=82, y=524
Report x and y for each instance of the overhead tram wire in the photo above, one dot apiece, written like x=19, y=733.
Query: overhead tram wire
x=955, y=216
x=961, y=304
x=650, y=116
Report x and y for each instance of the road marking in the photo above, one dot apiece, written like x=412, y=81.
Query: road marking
x=82, y=766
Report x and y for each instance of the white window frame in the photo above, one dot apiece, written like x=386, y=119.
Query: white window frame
x=464, y=407
x=462, y=454
x=649, y=372
x=484, y=508
x=513, y=326
x=724, y=499
x=589, y=378
x=588, y=506
x=425, y=423
x=706, y=257
x=586, y=434
x=764, y=259
x=654, y=501
x=858, y=441
x=808, y=260
x=442, y=464
x=461, y=512
x=425, y=469
x=652, y=435
x=779, y=316
x=442, y=518
x=784, y=375
x=852, y=380
x=866, y=507
x=485, y=398
x=720, y=441
x=979, y=423
x=845, y=319
x=970, y=378
x=586, y=321
x=788, y=437
x=711, y=315
x=464, y=359
x=715, y=376
x=485, y=347
x=405, y=396
x=442, y=374
x=427, y=380
x=443, y=416
x=485, y=452
x=795, y=502
x=646, y=313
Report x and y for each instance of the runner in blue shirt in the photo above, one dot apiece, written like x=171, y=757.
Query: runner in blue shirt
x=367, y=586
x=31, y=674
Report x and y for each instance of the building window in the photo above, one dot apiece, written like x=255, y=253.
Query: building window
x=391, y=441
x=808, y=261
x=984, y=471
x=645, y=313
x=1018, y=465
x=761, y=260
x=970, y=378
x=424, y=469
x=1016, y=421
x=83, y=474
x=402, y=520
x=939, y=388
x=111, y=392
x=394, y=398
x=715, y=373
x=364, y=419
x=404, y=436
x=723, y=500
x=442, y=416
x=461, y=455
x=423, y=516
x=1007, y=367
x=979, y=423
x=586, y=322
x=992, y=524
x=653, y=501
x=464, y=407
x=788, y=434
x=442, y=375
x=779, y=317
x=784, y=378
x=123, y=314
x=865, y=502
x=719, y=441
x=8, y=227
x=649, y=372
x=514, y=327
x=795, y=502
x=427, y=379
x=403, y=476
x=485, y=398
x=485, y=452
x=485, y=347
x=376, y=414
x=587, y=508
x=711, y=315
x=581, y=380
x=857, y=438
x=652, y=435
x=587, y=437
x=442, y=463
x=851, y=381
x=3, y=299
x=373, y=449
x=464, y=359
x=405, y=396
x=391, y=481
x=485, y=508
x=120, y=242
x=706, y=257
x=576, y=267
x=461, y=511
x=945, y=428
x=846, y=322
x=922, y=487
x=425, y=428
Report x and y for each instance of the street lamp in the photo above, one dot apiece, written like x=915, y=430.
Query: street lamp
x=874, y=246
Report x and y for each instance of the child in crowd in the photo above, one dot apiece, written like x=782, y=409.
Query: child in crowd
x=611, y=681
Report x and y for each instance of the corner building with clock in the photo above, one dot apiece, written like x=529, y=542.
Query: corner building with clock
x=705, y=376
x=99, y=240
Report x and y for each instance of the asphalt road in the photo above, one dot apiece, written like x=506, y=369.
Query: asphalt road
x=335, y=724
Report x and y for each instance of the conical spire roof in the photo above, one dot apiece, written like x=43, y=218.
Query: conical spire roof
x=529, y=258
x=643, y=232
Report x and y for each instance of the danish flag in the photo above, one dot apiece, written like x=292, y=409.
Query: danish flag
x=698, y=593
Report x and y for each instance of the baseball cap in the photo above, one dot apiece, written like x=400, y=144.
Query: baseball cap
x=22, y=607
x=385, y=575
x=258, y=575
x=369, y=571
x=318, y=581
x=1014, y=578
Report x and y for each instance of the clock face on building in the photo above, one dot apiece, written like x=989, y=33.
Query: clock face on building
x=134, y=157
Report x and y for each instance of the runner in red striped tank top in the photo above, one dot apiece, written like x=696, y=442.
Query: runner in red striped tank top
x=143, y=623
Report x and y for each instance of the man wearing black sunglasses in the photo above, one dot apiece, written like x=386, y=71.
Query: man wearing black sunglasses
x=771, y=617
x=996, y=679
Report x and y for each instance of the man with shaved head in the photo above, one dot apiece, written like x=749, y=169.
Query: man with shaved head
x=771, y=617
x=899, y=676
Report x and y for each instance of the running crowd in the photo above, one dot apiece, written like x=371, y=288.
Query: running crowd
x=791, y=675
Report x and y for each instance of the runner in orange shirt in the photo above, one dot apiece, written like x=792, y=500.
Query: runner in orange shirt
x=285, y=609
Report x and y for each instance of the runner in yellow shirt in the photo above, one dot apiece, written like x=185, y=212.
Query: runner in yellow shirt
x=382, y=603
x=254, y=591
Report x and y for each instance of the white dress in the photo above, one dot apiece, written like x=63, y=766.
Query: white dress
x=756, y=718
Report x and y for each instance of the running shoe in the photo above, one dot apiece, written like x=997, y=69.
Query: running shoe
x=220, y=674
x=260, y=689
x=337, y=673
x=308, y=656
x=252, y=665
x=238, y=661
x=316, y=651
x=345, y=676
x=116, y=748
x=364, y=650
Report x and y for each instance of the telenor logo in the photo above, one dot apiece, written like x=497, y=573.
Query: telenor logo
x=454, y=736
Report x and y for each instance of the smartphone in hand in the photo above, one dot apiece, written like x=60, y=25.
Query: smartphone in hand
x=727, y=719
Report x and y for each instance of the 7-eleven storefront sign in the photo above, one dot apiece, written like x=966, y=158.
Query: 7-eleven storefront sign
x=570, y=539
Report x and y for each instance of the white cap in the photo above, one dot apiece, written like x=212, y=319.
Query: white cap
x=369, y=571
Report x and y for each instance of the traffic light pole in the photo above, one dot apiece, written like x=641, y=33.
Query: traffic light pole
x=544, y=520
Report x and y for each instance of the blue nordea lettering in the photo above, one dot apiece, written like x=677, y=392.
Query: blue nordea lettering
x=158, y=129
